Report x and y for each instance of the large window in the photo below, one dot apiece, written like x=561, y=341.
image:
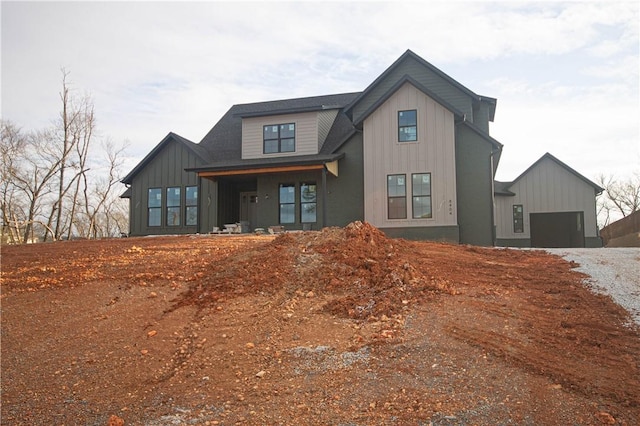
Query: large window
x=191, y=209
x=421, y=192
x=154, y=206
x=397, y=196
x=407, y=126
x=287, y=203
x=173, y=206
x=279, y=138
x=308, y=202
x=518, y=218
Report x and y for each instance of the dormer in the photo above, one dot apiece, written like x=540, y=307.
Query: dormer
x=276, y=134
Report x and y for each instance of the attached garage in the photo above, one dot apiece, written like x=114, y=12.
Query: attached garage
x=560, y=229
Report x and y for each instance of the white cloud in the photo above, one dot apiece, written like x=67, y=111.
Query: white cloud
x=564, y=69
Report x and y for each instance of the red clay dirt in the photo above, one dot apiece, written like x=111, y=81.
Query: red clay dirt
x=341, y=326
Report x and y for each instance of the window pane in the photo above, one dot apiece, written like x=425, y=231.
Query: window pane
x=287, y=131
x=270, y=132
x=173, y=216
x=155, y=197
x=407, y=118
x=421, y=207
x=408, y=134
x=308, y=212
x=173, y=196
x=287, y=213
x=308, y=192
x=397, y=208
x=421, y=183
x=396, y=186
x=518, y=218
x=191, y=218
x=288, y=145
x=270, y=146
x=191, y=195
x=154, y=216
x=287, y=193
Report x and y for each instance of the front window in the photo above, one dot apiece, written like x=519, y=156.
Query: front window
x=154, y=206
x=421, y=192
x=518, y=218
x=173, y=206
x=191, y=209
x=308, y=202
x=407, y=126
x=397, y=197
x=287, y=203
x=279, y=138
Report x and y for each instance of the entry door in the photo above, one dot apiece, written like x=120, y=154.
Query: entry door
x=249, y=209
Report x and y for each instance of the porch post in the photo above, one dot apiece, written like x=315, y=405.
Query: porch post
x=324, y=196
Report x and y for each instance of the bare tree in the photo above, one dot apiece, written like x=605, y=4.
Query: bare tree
x=48, y=186
x=620, y=197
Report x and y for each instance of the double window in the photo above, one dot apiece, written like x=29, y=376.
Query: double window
x=420, y=196
x=173, y=206
x=279, y=138
x=407, y=126
x=308, y=202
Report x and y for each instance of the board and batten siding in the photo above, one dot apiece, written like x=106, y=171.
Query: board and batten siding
x=165, y=170
x=306, y=134
x=428, y=78
x=546, y=188
x=433, y=152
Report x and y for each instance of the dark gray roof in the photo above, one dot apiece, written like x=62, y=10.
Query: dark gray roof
x=500, y=188
x=224, y=140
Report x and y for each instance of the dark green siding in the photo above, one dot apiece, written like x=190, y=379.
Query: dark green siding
x=432, y=233
x=345, y=201
x=437, y=84
x=474, y=184
x=165, y=170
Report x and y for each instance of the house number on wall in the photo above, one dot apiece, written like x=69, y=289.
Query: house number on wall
x=450, y=207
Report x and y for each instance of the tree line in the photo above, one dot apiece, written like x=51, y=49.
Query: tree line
x=60, y=182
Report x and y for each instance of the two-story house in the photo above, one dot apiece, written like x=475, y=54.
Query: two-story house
x=411, y=154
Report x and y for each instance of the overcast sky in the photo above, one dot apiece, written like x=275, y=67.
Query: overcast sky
x=565, y=74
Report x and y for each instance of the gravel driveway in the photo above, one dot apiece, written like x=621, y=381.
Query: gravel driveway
x=613, y=271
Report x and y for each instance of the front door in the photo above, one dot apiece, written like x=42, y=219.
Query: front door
x=249, y=209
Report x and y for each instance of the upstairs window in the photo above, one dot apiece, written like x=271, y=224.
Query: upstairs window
x=154, y=206
x=407, y=126
x=279, y=138
x=173, y=206
x=518, y=219
x=397, y=196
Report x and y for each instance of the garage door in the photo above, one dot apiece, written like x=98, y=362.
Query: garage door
x=557, y=229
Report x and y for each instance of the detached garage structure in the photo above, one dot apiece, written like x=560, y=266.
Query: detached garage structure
x=549, y=205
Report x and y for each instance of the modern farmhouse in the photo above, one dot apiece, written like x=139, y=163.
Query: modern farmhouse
x=411, y=154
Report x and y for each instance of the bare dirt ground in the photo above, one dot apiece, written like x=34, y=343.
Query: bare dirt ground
x=341, y=327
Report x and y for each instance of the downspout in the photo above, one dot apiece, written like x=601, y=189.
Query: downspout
x=493, y=198
x=199, y=206
x=324, y=196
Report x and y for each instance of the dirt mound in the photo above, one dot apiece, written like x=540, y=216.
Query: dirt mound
x=367, y=272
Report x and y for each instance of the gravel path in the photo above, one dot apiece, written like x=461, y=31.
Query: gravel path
x=613, y=271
